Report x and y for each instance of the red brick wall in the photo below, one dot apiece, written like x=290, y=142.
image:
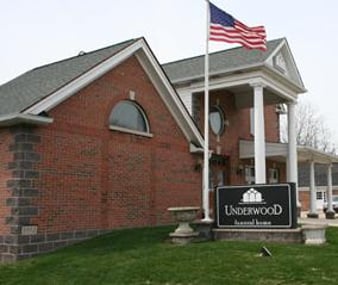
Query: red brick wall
x=92, y=177
x=5, y=174
x=271, y=124
x=304, y=198
x=239, y=128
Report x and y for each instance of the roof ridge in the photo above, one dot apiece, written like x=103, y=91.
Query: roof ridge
x=85, y=54
x=214, y=53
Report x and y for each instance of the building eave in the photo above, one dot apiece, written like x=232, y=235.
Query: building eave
x=286, y=81
x=280, y=150
x=28, y=119
x=142, y=52
x=216, y=74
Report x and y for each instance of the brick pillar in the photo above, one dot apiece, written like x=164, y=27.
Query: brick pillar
x=22, y=190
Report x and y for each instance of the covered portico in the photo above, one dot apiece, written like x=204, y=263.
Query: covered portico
x=312, y=157
x=280, y=152
x=255, y=80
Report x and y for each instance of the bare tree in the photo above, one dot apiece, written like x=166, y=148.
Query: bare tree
x=311, y=129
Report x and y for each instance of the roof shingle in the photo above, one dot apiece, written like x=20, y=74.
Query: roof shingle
x=220, y=62
x=32, y=86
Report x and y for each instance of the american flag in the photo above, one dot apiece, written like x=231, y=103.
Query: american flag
x=224, y=27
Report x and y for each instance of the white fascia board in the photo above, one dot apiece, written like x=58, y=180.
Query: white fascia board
x=246, y=149
x=227, y=81
x=169, y=95
x=19, y=118
x=96, y=72
x=307, y=153
x=244, y=79
x=285, y=44
x=276, y=51
x=74, y=86
x=280, y=88
x=224, y=72
x=296, y=88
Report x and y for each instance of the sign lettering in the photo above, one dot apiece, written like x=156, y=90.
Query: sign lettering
x=256, y=206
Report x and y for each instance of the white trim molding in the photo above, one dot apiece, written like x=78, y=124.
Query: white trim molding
x=18, y=118
x=141, y=50
x=77, y=84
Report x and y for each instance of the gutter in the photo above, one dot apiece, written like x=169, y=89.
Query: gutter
x=19, y=118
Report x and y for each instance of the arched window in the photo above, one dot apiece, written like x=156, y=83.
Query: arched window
x=216, y=120
x=128, y=116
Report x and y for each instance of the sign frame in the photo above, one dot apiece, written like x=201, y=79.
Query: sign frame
x=291, y=205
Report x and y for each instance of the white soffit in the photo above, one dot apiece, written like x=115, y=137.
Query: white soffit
x=247, y=149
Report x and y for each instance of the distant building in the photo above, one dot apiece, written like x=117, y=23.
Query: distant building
x=321, y=184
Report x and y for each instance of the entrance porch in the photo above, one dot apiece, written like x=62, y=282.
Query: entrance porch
x=309, y=157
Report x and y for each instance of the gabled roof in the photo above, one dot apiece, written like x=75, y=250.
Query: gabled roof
x=43, y=88
x=234, y=60
x=32, y=86
x=224, y=60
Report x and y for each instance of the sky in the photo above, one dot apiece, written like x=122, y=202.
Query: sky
x=37, y=32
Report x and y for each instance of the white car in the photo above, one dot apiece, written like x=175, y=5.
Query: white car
x=334, y=204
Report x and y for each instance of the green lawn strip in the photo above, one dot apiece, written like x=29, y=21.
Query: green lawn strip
x=144, y=256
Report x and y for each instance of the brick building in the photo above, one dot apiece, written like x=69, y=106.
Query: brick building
x=111, y=139
x=324, y=173
x=92, y=143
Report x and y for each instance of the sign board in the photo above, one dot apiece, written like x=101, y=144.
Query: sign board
x=257, y=206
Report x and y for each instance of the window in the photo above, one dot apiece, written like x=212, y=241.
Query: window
x=216, y=120
x=250, y=174
x=321, y=195
x=129, y=116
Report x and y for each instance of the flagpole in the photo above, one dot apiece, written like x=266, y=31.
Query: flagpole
x=205, y=190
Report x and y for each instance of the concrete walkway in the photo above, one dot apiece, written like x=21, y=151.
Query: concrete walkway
x=320, y=221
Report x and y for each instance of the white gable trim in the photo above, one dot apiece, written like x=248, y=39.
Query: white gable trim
x=79, y=83
x=17, y=118
x=153, y=69
x=265, y=75
x=284, y=45
x=168, y=94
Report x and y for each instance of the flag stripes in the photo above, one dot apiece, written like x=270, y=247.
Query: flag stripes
x=224, y=27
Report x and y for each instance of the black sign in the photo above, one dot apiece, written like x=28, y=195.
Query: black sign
x=256, y=206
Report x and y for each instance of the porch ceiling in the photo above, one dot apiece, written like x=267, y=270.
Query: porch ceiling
x=279, y=152
x=244, y=96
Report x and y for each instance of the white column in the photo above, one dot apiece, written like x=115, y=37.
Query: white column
x=260, y=167
x=313, y=207
x=292, y=148
x=330, y=212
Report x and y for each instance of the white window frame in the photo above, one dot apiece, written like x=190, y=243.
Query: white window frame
x=249, y=172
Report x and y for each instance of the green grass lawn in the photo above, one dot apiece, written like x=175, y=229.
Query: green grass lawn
x=143, y=256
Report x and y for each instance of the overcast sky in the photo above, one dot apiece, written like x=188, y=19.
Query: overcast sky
x=37, y=32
